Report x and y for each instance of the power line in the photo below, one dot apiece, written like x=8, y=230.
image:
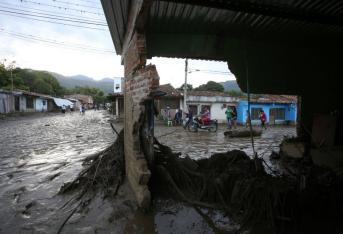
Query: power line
x=54, y=22
x=30, y=36
x=76, y=4
x=211, y=72
x=49, y=42
x=17, y=7
x=62, y=7
x=97, y=2
x=50, y=16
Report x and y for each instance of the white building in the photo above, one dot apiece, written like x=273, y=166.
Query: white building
x=118, y=85
x=216, y=102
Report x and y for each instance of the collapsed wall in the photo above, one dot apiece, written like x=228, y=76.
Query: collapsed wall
x=140, y=81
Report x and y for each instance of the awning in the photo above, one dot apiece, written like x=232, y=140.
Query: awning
x=63, y=102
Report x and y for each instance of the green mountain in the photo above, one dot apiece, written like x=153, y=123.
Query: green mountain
x=230, y=85
x=105, y=84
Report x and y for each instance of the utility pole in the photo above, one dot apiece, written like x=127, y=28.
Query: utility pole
x=11, y=80
x=185, y=87
x=11, y=66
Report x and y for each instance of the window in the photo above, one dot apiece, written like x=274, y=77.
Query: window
x=255, y=113
x=44, y=102
x=278, y=113
x=29, y=102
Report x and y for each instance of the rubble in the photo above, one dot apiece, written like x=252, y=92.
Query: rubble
x=243, y=133
x=260, y=202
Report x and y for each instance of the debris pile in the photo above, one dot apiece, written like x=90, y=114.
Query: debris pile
x=104, y=170
x=259, y=201
x=306, y=200
x=243, y=132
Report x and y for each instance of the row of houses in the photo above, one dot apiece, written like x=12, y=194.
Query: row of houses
x=279, y=109
x=24, y=101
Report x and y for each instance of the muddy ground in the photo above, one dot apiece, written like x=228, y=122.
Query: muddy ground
x=203, y=144
x=39, y=153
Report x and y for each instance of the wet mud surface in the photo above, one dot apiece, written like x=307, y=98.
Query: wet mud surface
x=38, y=154
x=203, y=144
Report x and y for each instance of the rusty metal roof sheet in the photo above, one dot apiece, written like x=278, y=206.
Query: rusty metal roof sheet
x=211, y=20
x=169, y=90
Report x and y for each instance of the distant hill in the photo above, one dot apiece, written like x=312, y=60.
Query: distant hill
x=105, y=84
x=230, y=85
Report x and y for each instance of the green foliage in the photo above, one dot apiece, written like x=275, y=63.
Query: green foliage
x=30, y=80
x=189, y=87
x=211, y=86
x=235, y=93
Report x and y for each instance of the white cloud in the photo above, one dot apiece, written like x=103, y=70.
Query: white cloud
x=42, y=56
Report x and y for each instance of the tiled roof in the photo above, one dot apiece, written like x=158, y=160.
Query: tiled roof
x=208, y=93
x=169, y=90
x=268, y=98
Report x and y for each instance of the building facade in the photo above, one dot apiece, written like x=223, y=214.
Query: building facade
x=279, y=109
x=216, y=102
x=24, y=101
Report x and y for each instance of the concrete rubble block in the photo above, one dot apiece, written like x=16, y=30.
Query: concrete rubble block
x=292, y=149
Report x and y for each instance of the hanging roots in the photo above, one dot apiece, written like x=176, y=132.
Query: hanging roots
x=105, y=170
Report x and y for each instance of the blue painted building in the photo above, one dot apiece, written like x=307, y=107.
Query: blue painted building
x=279, y=109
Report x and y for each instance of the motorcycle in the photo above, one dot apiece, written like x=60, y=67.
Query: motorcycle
x=196, y=124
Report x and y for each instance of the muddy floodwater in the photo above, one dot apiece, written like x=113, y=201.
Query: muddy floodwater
x=39, y=153
x=203, y=144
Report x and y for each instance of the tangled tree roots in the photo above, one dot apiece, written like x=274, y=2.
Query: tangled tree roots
x=234, y=182
x=104, y=172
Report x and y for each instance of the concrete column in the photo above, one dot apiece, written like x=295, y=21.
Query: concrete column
x=117, y=108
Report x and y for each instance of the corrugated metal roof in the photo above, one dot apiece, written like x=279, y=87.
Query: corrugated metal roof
x=268, y=98
x=204, y=22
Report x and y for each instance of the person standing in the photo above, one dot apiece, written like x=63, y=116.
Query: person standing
x=247, y=120
x=189, y=118
x=229, y=115
x=263, y=119
x=234, y=117
x=63, y=109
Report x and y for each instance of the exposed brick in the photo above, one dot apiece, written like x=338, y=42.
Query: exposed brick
x=140, y=80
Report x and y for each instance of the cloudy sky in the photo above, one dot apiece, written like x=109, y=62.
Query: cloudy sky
x=71, y=37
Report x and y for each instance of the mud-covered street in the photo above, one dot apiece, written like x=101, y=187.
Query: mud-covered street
x=203, y=144
x=38, y=154
x=42, y=152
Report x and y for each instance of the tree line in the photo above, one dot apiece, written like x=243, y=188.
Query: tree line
x=42, y=82
x=213, y=86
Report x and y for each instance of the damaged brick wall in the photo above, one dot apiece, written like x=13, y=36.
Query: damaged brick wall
x=140, y=80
